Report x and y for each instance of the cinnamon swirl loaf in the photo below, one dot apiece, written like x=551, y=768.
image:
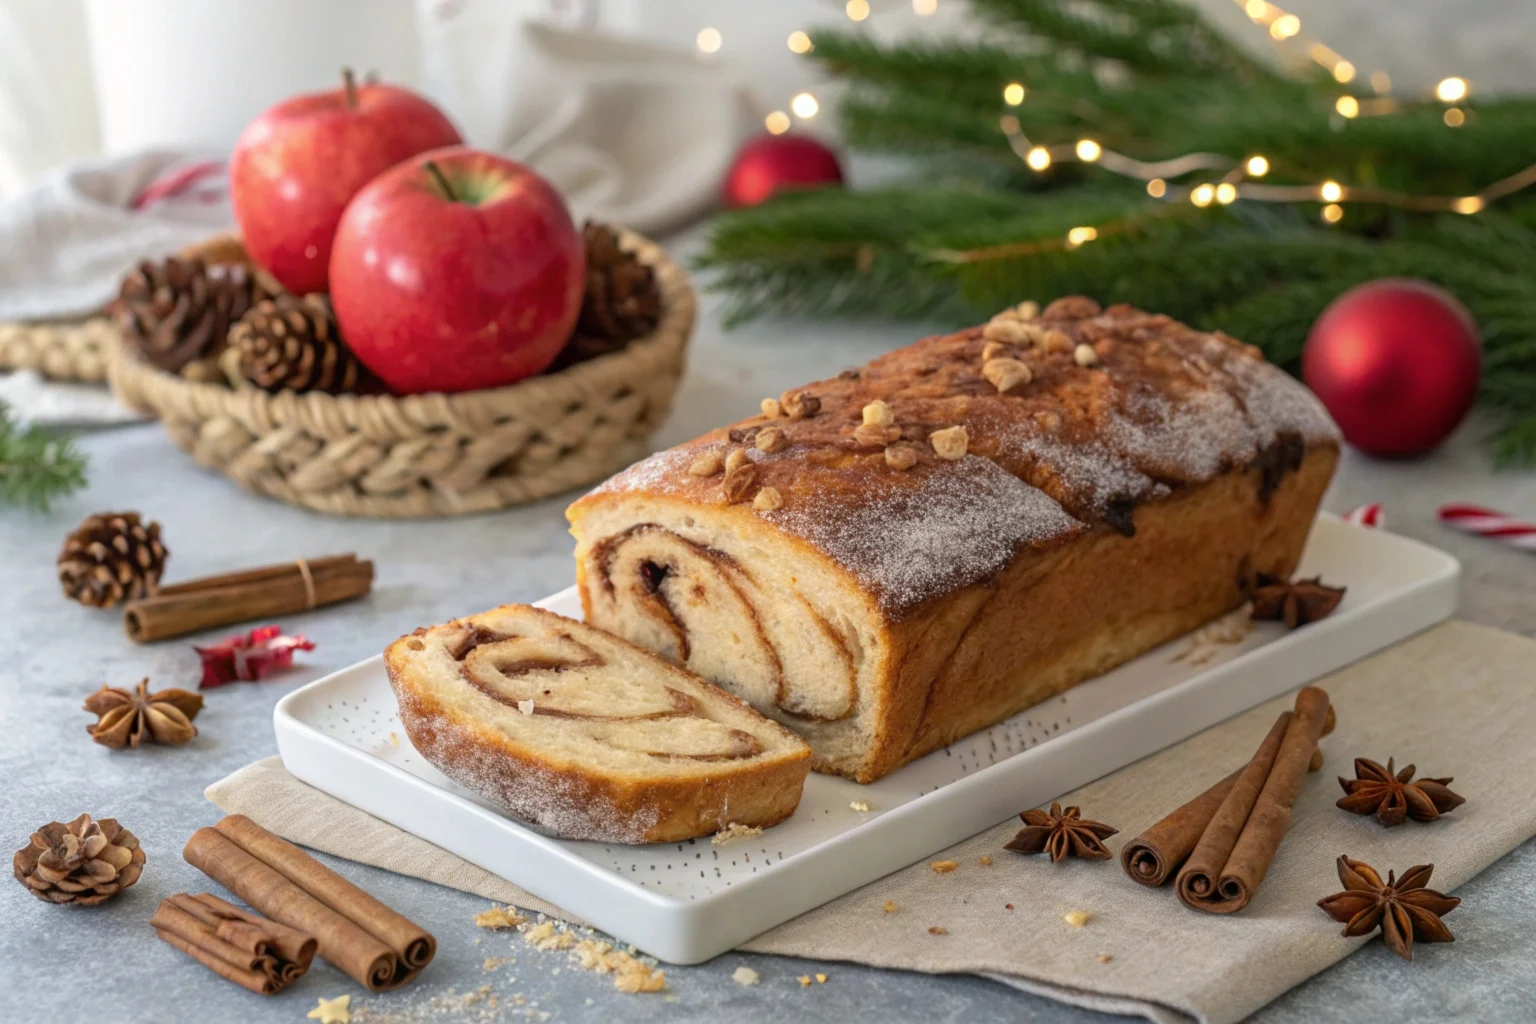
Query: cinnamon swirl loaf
x=919, y=548
x=584, y=735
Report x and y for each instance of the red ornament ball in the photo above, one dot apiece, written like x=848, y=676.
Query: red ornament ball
x=772, y=162
x=1396, y=362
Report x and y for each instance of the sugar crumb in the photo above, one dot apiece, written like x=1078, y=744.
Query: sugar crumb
x=734, y=831
x=859, y=805
x=745, y=976
x=499, y=917
x=394, y=738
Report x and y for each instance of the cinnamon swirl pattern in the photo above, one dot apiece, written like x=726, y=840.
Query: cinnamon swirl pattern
x=586, y=736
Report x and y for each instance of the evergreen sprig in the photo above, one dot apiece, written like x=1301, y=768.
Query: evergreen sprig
x=36, y=468
x=973, y=230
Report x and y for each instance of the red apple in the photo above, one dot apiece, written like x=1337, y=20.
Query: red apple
x=297, y=166
x=457, y=270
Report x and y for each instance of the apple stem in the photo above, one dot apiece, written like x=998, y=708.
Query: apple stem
x=441, y=179
x=349, y=82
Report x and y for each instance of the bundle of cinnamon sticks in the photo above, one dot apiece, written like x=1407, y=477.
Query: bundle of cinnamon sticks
x=245, y=948
x=362, y=937
x=268, y=592
x=1222, y=842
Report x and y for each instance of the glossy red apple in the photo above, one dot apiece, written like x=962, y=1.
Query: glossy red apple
x=457, y=270
x=297, y=166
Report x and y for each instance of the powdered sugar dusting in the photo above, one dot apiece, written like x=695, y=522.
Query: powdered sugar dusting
x=961, y=524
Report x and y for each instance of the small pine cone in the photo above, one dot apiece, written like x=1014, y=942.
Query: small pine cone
x=82, y=862
x=622, y=301
x=290, y=343
x=176, y=311
x=112, y=557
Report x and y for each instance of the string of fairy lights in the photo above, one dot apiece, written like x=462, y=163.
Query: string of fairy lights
x=1239, y=179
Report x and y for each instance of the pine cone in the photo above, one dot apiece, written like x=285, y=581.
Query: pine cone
x=177, y=311
x=112, y=557
x=83, y=862
x=292, y=343
x=621, y=303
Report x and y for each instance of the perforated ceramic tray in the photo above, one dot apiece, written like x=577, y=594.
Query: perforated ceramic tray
x=686, y=902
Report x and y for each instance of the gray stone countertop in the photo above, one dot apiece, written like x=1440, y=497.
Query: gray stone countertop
x=102, y=964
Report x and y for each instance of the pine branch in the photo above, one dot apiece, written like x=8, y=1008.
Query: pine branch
x=35, y=468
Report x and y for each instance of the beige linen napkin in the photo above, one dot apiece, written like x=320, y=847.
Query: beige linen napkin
x=1456, y=700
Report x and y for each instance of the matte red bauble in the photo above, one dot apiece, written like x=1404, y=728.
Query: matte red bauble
x=296, y=167
x=457, y=270
x=1396, y=362
x=771, y=162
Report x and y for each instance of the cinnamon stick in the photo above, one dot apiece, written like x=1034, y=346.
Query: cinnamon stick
x=260, y=955
x=1157, y=854
x=1235, y=852
x=359, y=935
x=266, y=592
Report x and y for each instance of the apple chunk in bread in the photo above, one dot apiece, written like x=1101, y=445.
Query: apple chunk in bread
x=586, y=736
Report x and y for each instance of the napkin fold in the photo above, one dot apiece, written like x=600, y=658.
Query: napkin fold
x=1455, y=700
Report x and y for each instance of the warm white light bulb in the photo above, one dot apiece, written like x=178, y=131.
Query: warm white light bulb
x=1013, y=94
x=1039, y=158
x=1347, y=106
x=1344, y=71
x=923, y=8
x=1157, y=188
x=1226, y=192
x=1285, y=26
x=1381, y=82
x=799, y=42
x=1468, y=204
x=777, y=122
x=1331, y=191
x=1333, y=213
x=1088, y=151
x=1455, y=117
x=1258, y=10
x=1451, y=90
x=857, y=10
x=708, y=40
x=1077, y=236
x=1202, y=195
x=804, y=105
x=1257, y=167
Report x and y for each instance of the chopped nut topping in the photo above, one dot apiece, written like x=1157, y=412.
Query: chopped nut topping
x=740, y=435
x=1077, y=918
x=1057, y=341
x=950, y=443
x=848, y=374
x=1084, y=355
x=1027, y=310
x=707, y=464
x=937, y=929
x=890, y=907
x=740, y=483
x=770, y=407
x=878, y=414
x=994, y=349
x=944, y=867
x=874, y=435
x=1006, y=374
x=901, y=456
x=770, y=439
x=798, y=405
x=1006, y=327
x=1071, y=307
x=859, y=805
x=768, y=499
x=736, y=459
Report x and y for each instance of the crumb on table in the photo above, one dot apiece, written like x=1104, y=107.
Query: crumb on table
x=944, y=867
x=745, y=976
x=499, y=917
x=938, y=929
x=859, y=805
x=732, y=832
x=890, y=907
x=985, y=861
x=1077, y=918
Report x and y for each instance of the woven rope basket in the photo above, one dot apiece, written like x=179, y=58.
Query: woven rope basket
x=430, y=455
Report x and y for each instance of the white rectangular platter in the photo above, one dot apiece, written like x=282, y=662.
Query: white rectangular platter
x=687, y=902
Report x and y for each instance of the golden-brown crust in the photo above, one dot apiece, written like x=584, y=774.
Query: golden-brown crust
x=590, y=804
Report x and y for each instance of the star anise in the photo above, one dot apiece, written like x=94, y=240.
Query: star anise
x=1294, y=603
x=1403, y=910
x=1395, y=797
x=1062, y=833
x=128, y=717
